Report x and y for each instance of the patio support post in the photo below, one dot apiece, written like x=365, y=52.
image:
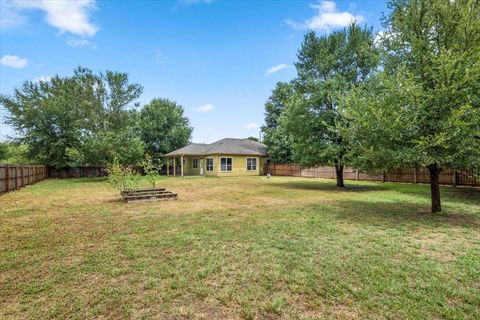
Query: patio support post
x=174, y=167
x=181, y=166
x=168, y=166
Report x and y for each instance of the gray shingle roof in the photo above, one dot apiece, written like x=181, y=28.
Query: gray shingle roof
x=224, y=146
x=191, y=149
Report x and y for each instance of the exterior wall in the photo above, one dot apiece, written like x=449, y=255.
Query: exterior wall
x=239, y=166
x=216, y=163
x=263, y=162
x=188, y=168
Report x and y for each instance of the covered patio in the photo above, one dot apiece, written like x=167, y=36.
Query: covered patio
x=177, y=160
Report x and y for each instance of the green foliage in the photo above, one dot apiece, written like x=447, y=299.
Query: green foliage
x=304, y=119
x=121, y=178
x=163, y=127
x=150, y=170
x=57, y=119
x=125, y=146
x=424, y=110
x=327, y=66
x=253, y=139
x=3, y=151
x=275, y=137
x=14, y=153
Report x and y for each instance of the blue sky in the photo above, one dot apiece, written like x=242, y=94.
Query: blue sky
x=218, y=59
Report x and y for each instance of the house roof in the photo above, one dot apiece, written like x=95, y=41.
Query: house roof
x=224, y=146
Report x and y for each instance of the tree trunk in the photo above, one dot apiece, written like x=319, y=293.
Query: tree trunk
x=339, y=175
x=435, y=188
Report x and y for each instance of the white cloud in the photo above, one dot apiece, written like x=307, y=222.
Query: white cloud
x=277, y=68
x=9, y=15
x=43, y=79
x=327, y=18
x=252, y=126
x=13, y=61
x=73, y=42
x=66, y=16
x=206, y=108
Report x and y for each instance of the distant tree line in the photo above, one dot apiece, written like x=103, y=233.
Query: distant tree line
x=408, y=96
x=90, y=119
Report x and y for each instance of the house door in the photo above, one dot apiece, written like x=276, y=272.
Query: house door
x=201, y=167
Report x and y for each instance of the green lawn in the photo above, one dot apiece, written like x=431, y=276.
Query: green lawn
x=252, y=248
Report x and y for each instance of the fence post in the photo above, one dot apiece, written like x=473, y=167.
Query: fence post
x=454, y=178
x=356, y=174
x=7, y=178
x=383, y=176
x=414, y=175
x=16, y=177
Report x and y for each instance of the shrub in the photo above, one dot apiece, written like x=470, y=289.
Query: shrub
x=150, y=170
x=121, y=178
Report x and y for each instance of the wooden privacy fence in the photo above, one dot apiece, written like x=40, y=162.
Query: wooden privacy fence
x=78, y=172
x=406, y=175
x=13, y=177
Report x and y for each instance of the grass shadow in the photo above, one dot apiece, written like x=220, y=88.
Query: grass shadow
x=459, y=195
x=80, y=180
x=326, y=186
x=400, y=214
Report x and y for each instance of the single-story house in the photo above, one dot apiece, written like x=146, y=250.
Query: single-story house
x=226, y=157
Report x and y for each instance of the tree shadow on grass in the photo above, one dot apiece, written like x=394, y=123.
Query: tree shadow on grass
x=400, y=214
x=459, y=195
x=83, y=180
x=326, y=186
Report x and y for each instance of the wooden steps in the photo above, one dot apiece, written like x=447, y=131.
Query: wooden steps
x=148, y=194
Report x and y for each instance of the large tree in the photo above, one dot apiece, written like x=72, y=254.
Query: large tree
x=163, y=127
x=115, y=135
x=327, y=66
x=424, y=109
x=275, y=137
x=57, y=119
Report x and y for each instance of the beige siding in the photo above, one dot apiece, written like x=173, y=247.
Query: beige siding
x=239, y=166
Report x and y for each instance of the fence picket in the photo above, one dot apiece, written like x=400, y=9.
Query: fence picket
x=405, y=175
x=18, y=180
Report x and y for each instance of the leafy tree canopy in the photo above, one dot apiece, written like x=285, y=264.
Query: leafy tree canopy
x=14, y=153
x=327, y=67
x=163, y=127
x=424, y=109
x=275, y=137
x=59, y=118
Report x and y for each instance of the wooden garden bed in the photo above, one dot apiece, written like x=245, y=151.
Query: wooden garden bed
x=148, y=194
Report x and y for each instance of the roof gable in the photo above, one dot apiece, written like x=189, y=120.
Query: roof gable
x=224, y=146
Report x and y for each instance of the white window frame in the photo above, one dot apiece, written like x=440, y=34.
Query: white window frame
x=207, y=166
x=195, y=164
x=226, y=165
x=256, y=164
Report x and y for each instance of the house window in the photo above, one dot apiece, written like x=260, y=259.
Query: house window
x=251, y=164
x=225, y=164
x=195, y=163
x=209, y=164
